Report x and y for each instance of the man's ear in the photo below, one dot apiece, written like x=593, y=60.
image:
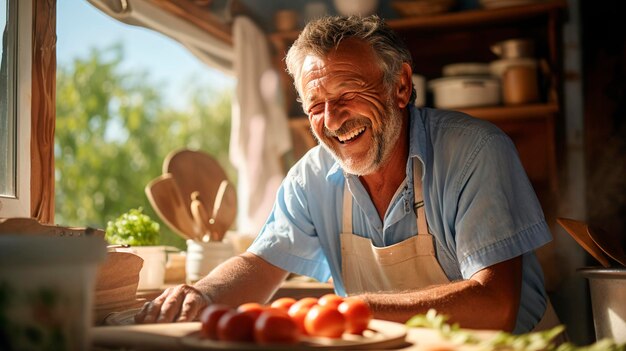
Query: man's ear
x=404, y=87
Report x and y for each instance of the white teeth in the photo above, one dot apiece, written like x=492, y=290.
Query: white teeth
x=351, y=135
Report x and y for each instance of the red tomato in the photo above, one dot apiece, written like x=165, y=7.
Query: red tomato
x=357, y=313
x=330, y=300
x=209, y=318
x=324, y=321
x=252, y=307
x=236, y=326
x=299, y=309
x=274, y=326
x=283, y=303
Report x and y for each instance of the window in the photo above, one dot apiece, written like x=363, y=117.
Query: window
x=15, y=92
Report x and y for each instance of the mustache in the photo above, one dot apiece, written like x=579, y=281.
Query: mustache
x=347, y=126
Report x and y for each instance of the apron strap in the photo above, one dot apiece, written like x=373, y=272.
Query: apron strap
x=418, y=198
x=347, y=209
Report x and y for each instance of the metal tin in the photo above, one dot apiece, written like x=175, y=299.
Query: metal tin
x=608, y=297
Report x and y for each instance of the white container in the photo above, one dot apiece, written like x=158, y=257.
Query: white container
x=460, y=92
x=608, y=301
x=356, y=7
x=514, y=48
x=466, y=69
x=202, y=257
x=152, y=274
x=498, y=67
x=47, y=287
x=314, y=10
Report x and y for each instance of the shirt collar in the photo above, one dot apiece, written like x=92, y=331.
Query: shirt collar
x=333, y=170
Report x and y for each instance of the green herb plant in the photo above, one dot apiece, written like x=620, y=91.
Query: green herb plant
x=133, y=228
x=502, y=341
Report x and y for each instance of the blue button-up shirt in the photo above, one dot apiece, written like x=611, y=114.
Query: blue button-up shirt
x=480, y=207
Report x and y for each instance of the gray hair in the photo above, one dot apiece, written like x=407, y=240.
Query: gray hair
x=321, y=36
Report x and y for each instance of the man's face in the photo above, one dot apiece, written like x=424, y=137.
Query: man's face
x=351, y=112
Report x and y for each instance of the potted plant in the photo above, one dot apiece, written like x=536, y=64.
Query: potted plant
x=141, y=233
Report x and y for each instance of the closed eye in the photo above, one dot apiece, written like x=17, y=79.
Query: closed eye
x=316, y=109
x=349, y=96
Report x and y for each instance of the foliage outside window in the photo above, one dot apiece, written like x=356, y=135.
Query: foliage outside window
x=113, y=131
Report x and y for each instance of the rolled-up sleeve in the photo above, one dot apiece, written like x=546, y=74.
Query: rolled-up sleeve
x=289, y=239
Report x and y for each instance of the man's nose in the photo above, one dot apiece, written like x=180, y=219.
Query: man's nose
x=334, y=115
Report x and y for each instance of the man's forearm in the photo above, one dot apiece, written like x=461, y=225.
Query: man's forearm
x=462, y=301
x=489, y=300
x=243, y=278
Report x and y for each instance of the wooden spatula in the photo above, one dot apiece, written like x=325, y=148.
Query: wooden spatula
x=578, y=231
x=167, y=200
x=608, y=243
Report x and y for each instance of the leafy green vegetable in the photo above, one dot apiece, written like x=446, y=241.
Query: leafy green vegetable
x=133, y=228
x=502, y=341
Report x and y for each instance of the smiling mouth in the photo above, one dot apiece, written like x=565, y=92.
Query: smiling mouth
x=351, y=135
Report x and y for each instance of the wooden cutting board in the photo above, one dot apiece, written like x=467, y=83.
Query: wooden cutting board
x=144, y=336
x=182, y=336
x=171, y=337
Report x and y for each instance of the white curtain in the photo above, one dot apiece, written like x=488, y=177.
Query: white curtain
x=260, y=131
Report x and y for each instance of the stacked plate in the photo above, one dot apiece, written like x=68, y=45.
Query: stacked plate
x=116, y=284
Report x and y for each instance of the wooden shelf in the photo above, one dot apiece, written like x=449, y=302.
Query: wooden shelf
x=477, y=17
x=454, y=20
x=509, y=113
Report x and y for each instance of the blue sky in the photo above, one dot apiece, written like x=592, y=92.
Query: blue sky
x=81, y=26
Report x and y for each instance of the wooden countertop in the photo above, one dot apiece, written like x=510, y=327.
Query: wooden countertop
x=169, y=337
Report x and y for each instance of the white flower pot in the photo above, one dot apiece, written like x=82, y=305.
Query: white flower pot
x=152, y=274
x=202, y=257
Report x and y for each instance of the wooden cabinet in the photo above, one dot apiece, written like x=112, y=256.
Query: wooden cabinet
x=438, y=40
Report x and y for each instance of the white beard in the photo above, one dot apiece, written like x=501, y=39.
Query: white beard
x=383, y=143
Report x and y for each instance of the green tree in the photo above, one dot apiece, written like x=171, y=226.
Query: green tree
x=113, y=131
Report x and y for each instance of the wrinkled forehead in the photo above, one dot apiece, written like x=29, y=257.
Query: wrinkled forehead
x=352, y=58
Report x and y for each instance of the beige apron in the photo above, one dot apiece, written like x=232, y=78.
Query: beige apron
x=408, y=265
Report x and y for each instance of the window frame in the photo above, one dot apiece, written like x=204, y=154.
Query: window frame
x=20, y=205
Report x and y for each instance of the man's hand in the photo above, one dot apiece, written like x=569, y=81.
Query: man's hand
x=182, y=303
x=243, y=278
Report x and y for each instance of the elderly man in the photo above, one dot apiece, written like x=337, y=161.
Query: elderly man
x=407, y=208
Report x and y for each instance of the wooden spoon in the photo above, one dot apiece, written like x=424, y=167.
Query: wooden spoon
x=201, y=218
x=224, y=209
x=609, y=243
x=578, y=231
